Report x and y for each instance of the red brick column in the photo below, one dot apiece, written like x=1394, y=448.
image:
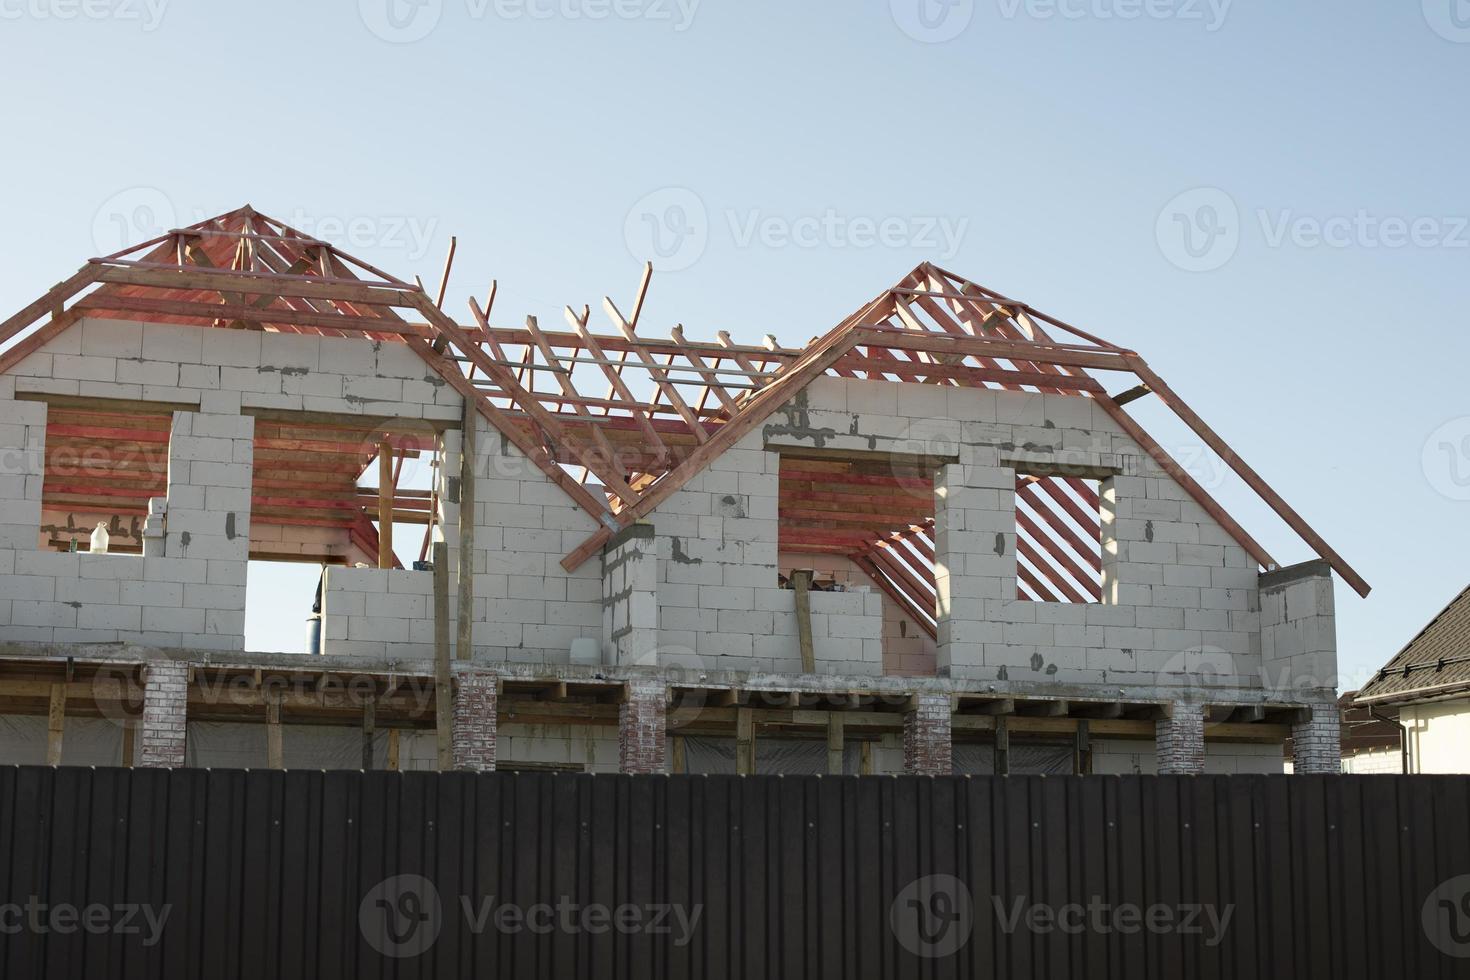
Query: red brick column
x=164, y=729
x=642, y=721
x=927, y=746
x=1180, y=741
x=476, y=707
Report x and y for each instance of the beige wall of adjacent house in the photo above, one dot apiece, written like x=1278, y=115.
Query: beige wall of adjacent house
x=1438, y=736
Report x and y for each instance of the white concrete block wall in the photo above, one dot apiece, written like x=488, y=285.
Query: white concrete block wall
x=1299, y=630
x=1181, y=596
x=908, y=651
x=380, y=612
x=527, y=607
x=720, y=604
x=630, y=597
x=1180, y=600
x=22, y=467
x=225, y=370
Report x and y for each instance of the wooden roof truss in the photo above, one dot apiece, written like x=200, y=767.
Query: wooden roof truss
x=621, y=419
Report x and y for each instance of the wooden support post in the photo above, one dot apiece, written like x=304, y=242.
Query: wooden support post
x=385, y=504
x=865, y=758
x=1002, y=746
x=55, y=723
x=464, y=643
x=392, y=750
x=274, y=755
x=680, y=762
x=801, y=582
x=129, y=742
x=744, y=742
x=1082, y=751
x=835, y=763
x=443, y=693
x=369, y=729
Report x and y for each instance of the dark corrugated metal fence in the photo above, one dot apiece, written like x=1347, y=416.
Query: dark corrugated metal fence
x=218, y=874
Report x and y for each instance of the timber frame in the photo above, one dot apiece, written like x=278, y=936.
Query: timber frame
x=670, y=405
x=277, y=690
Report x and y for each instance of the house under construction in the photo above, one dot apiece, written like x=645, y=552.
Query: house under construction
x=931, y=540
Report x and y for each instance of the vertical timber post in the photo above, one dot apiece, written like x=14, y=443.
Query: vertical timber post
x=463, y=648
x=801, y=582
x=274, y=754
x=744, y=742
x=55, y=723
x=443, y=696
x=385, y=504
x=369, y=729
x=835, y=726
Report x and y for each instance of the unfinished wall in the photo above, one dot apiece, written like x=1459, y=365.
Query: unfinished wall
x=527, y=607
x=908, y=651
x=1180, y=595
x=380, y=612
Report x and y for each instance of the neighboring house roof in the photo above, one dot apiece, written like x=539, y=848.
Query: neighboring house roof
x=620, y=456
x=1434, y=664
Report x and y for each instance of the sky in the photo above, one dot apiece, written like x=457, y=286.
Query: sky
x=1266, y=199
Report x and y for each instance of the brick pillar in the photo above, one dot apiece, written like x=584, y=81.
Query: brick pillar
x=927, y=748
x=1180, y=741
x=642, y=722
x=162, y=734
x=476, y=703
x=1315, y=743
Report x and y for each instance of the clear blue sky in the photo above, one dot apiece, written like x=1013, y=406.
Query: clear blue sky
x=1052, y=137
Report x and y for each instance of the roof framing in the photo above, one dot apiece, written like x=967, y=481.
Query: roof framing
x=619, y=455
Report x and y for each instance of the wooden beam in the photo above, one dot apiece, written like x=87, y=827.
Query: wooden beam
x=835, y=763
x=464, y=640
x=619, y=386
x=53, y=302
x=392, y=750
x=679, y=765
x=801, y=583
x=528, y=401
x=796, y=377
x=385, y=504
x=274, y=754
x=1082, y=751
x=1181, y=476
x=369, y=729
x=660, y=377
x=443, y=694
x=1252, y=479
x=744, y=742
x=514, y=433
x=1002, y=745
x=55, y=723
